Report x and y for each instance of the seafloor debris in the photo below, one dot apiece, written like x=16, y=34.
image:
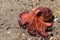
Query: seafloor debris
x=37, y=21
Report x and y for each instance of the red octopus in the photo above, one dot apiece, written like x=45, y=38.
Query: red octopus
x=37, y=20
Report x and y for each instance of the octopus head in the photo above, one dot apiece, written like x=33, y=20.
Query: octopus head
x=43, y=12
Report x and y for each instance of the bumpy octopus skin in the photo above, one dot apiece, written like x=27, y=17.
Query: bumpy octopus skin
x=36, y=20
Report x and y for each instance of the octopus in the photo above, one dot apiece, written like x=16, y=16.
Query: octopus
x=37, y=21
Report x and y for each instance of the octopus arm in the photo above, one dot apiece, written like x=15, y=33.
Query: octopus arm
x=46, y=24
x=41, y=28
x=24, y=17
x=31, y=28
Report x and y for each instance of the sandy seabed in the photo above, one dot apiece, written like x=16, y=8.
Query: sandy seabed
x=10, y=10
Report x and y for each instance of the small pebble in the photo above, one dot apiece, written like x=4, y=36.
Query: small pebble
x=2, y=24
x=52, y=0
x=11, y=10
x=55, y=19
x=44, y=38
x=29, y=39
x=23, y=34
x=9, y=31
x=8, y=28
x=58, y=21
x=53, y=38
x=17, y=0
x=51, y=35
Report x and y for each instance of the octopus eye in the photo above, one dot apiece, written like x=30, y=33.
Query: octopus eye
x=39, y=13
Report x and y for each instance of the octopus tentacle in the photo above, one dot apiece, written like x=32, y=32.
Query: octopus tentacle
x=31, y=28
x=21, y=17
x=24, y=18
x=41, y=29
